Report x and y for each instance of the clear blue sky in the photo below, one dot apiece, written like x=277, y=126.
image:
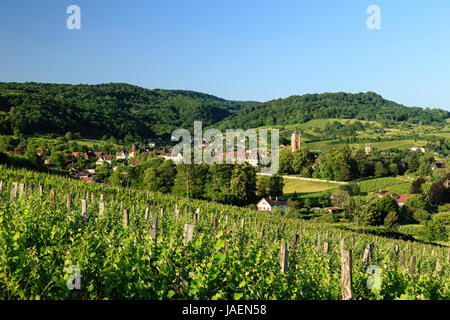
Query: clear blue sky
x=242, y=50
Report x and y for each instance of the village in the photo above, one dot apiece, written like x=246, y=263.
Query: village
x=95, y=161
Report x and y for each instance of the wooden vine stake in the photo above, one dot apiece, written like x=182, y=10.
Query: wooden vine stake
x=146, y=213
x=368, y=254
x=295, y=238
x=412, y=266
x=84, y=210
x=401, y=258
x=226, y=246
x=188, y=233
x=1, y=186
x=125, y=218
x=346, y=275
x=101, y=208
x=69, y=202
x=154, y=228
x=21, y=189
x=438, y=265
x=13, y=194
x=52, y=198
x=326, y=248
x=284, y=258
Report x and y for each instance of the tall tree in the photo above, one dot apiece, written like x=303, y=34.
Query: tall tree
x=302, y=161
x=243, y=184
x=217, y=186
x=190, y=180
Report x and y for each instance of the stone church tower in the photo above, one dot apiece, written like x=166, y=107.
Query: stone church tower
x=295, y=141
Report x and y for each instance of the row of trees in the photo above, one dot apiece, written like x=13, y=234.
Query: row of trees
x=344, y=164
x=224, y=183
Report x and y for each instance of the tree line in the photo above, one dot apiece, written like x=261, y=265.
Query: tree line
x=345, y=164
x=300, y=109
x=114, y=109
x=235, y=184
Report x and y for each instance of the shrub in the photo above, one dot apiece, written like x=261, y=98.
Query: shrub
x=443, y=217
x=391, y=221
x=352, y=188
x=420, y=201
x=406, y=215
x=434, y=231
x=292, y=213
x=330, y=217
x=416, y=186
x=421, y=215
x=438, y=193
x=291, y=203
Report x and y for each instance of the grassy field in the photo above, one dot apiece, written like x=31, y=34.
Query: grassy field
x=382, y=145
x=84, y=142
x=302, y=186
x=392, y=184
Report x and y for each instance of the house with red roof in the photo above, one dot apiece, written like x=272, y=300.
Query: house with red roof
x=401, y=201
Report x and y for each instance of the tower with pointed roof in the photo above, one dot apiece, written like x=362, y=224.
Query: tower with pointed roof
x=295, y=141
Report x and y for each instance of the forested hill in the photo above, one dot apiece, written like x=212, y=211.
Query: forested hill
x=114, y=109
x=299, y=109
x=118, y=110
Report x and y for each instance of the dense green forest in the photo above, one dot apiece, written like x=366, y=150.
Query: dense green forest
x=113, y=109
x=118, y=109
x=300, y=109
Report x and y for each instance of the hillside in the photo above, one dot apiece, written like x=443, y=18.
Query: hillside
x=113, y=109
x=118, y=109
x=300, y=109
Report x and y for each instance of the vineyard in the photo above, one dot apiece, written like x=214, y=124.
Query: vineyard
x=132, y=244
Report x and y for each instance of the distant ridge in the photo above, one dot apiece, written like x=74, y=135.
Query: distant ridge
x=120, y=109
x=341, y=105
x=114, y=109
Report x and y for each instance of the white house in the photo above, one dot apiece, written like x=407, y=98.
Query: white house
x=177, y=159
x=122, y=154
x=100, y=161
x=415, y=148
x=268, y=204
